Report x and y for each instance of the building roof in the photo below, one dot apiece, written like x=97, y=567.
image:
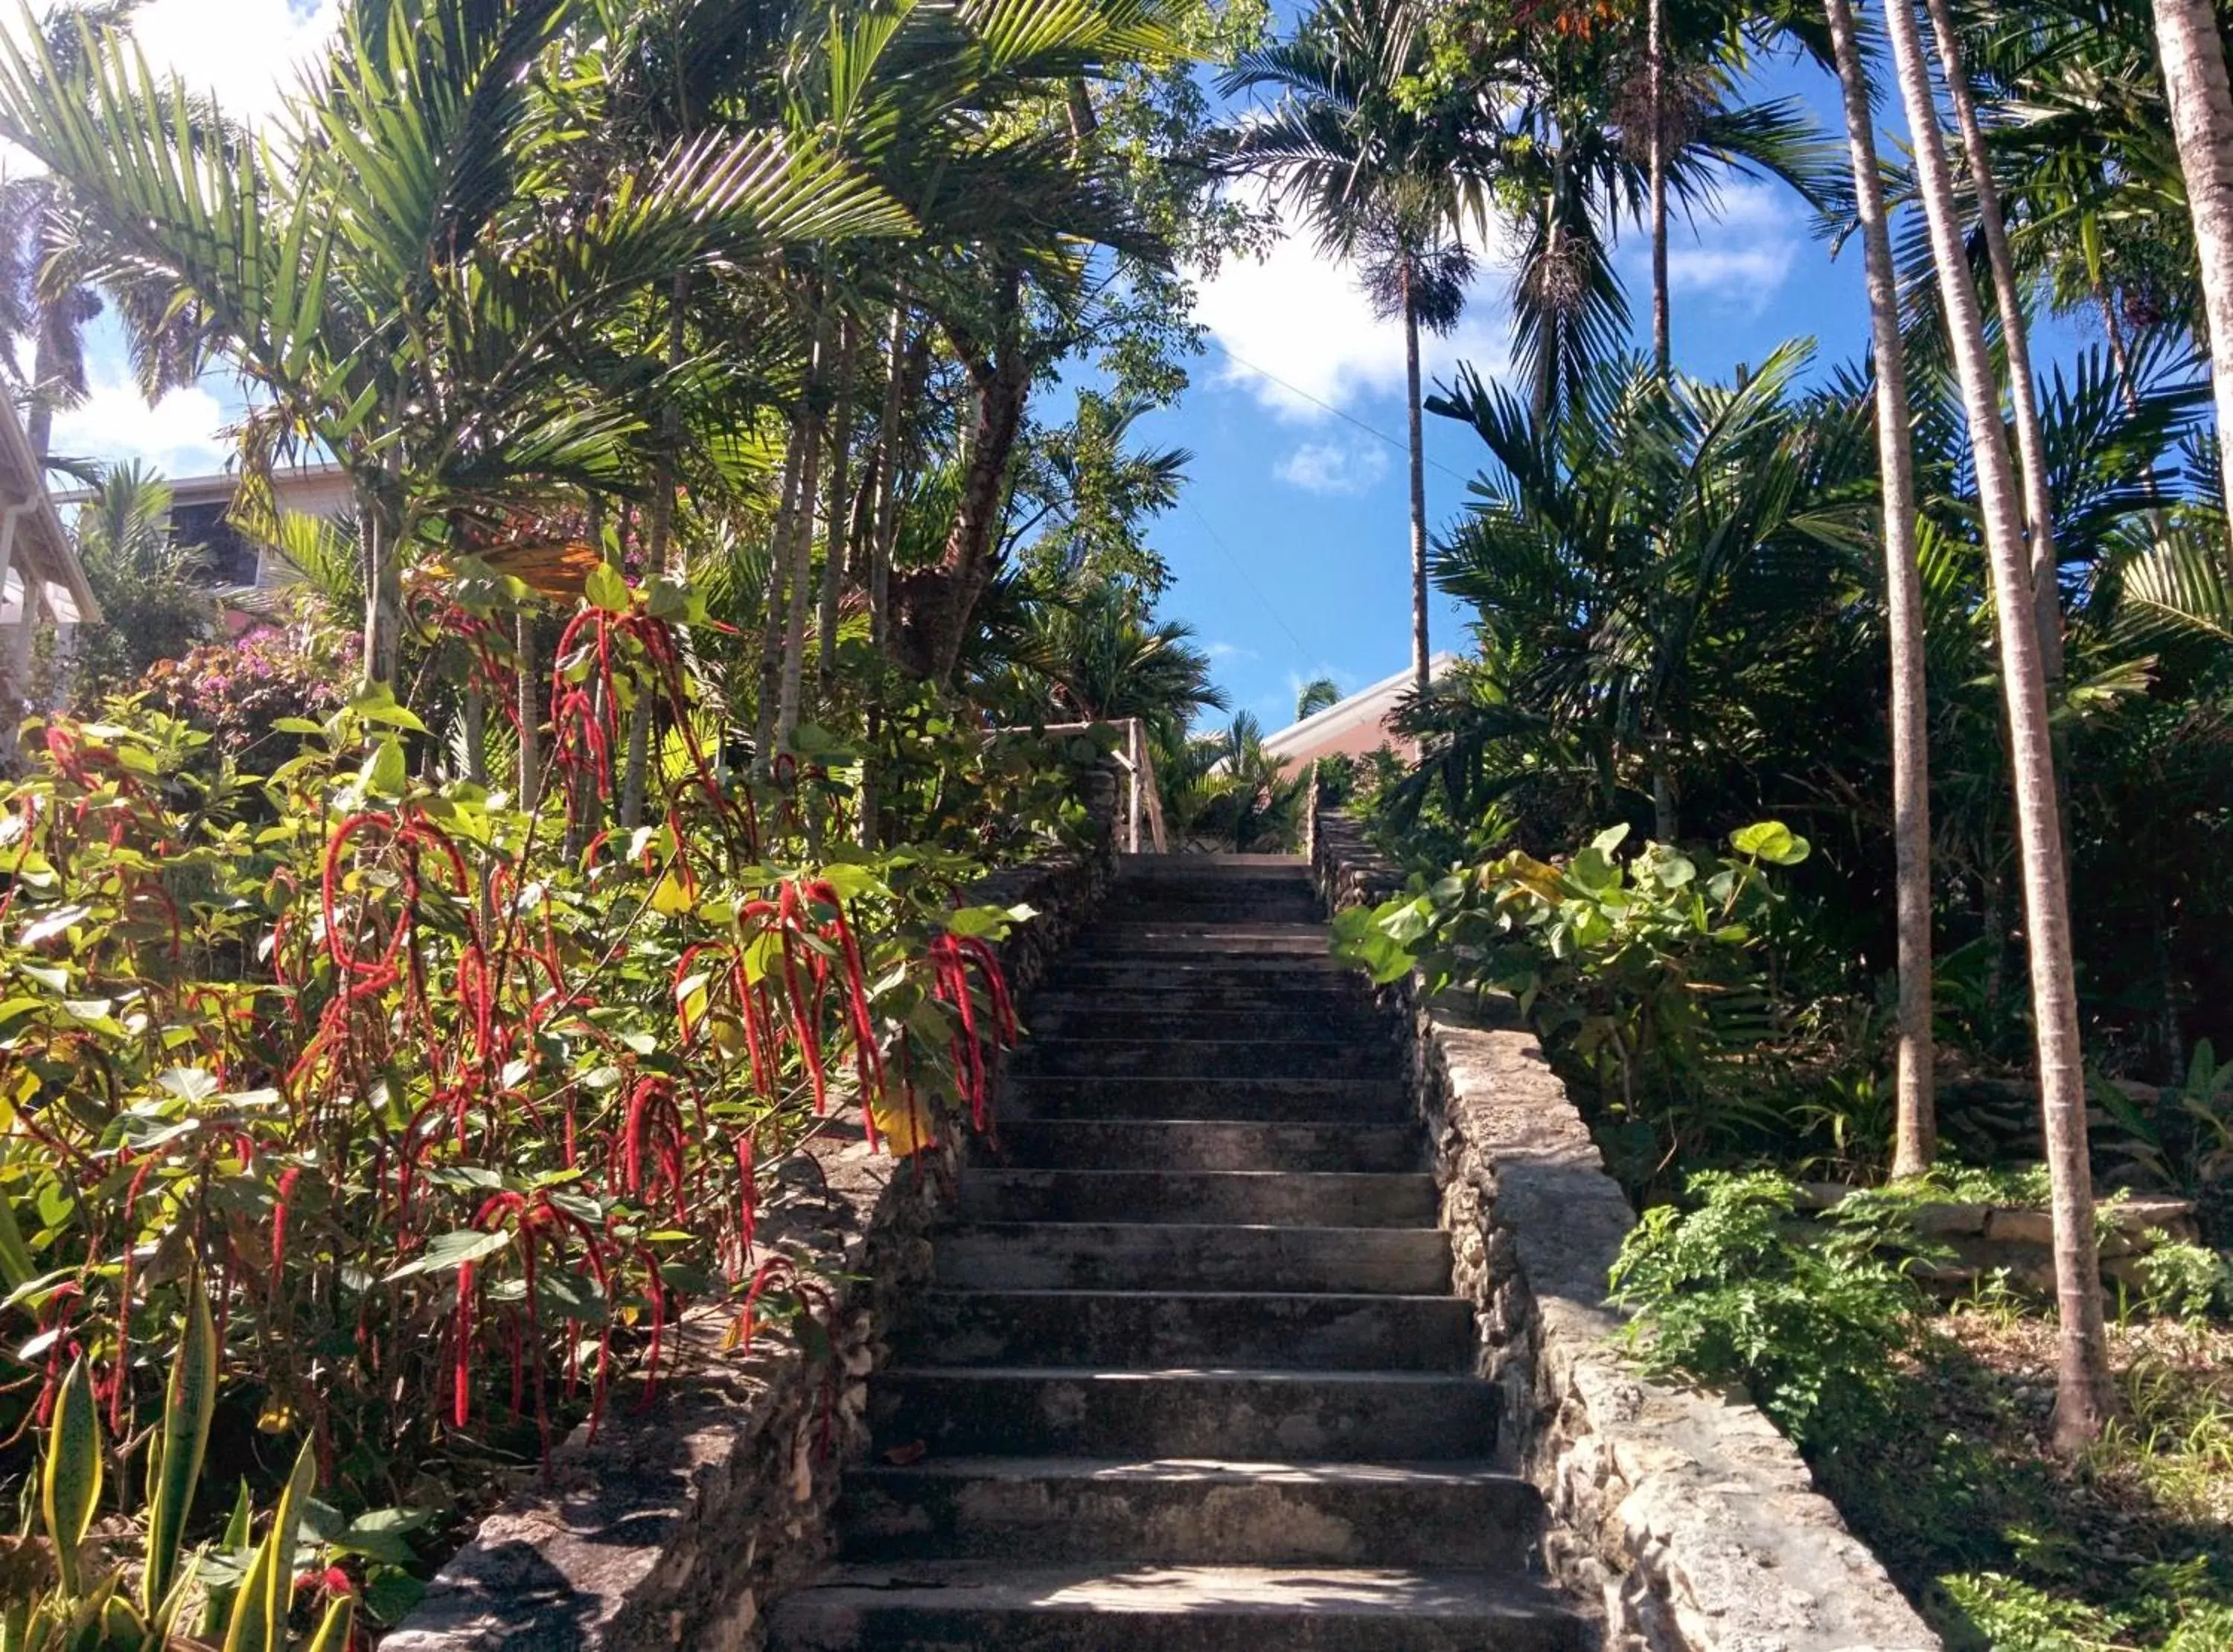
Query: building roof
x=41, y=546
x=1366, y=706
x=217, y=487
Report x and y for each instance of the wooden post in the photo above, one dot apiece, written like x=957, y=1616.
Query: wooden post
x=1137, y=748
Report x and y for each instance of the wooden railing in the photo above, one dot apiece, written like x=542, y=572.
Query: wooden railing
x=1143, y=805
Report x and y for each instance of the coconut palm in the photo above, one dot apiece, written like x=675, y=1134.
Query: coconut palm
x=2083, y=1396
x=1315, y=696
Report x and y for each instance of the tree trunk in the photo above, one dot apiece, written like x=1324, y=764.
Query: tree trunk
x=530, y=710
x=771, y=683
x=383, y=587
x=933, y=605
x=802, y=550
x=2202, y=121
x=1655, y=59
x=1916, y=1135
x=839, y=511
x=659, y=532
x=888, y=440
x=1418, y=488
x=2083, y=1395
x=2031, y=442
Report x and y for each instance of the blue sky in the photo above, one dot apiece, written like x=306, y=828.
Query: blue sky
x=1289, y=551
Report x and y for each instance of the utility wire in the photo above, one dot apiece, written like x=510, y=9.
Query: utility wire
x=1395, y=442
x=1218, y=539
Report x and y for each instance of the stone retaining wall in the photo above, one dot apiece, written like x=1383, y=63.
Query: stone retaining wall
x=1696, y=1519
x=673, y=1525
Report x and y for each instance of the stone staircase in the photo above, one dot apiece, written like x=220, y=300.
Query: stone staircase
x=1190, y=1376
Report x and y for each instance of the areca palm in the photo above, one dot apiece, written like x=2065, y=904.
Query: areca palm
x=1630, y=560
x=386, y=278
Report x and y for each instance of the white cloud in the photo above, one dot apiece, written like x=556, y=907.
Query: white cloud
x=1334, y=466
x=1299, y=316
x=1744, y=250
x=1227, y=651
x=179, y=435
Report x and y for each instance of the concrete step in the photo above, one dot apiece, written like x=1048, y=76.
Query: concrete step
x=1188, y=1256
x=1208, y=1097
x=1150, y=868
x=1255, y=1196
x=1209, y=1144
x=993, y=1606
x=1337, y=1416
x=1169, y=1055
x=1200, y=1512
x=1165, y=1330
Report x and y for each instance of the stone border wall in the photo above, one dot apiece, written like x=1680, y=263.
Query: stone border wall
x=1696, y=1519
x=680, y=1521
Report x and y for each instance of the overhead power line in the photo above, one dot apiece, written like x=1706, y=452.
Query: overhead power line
x=1241, y=569
x=1395, y=442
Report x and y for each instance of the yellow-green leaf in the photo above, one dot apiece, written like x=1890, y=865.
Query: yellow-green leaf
x=70, y=1488
x=174, y=1456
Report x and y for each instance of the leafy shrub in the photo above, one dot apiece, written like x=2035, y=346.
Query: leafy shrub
x=1643, y=977
x=1810, y=1318
x=2186, y=1280
x=452, y=1103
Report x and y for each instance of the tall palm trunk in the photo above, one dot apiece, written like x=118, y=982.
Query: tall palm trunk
x=659, y=557
x=1915, y=1134
x=839, y=510
x=2201, y=121
x=2015, y=340
x=1655, y=59
x=1418, y=485
x=2083, y=1400
x=383, y=585
x=772, y=610
x=802, y=548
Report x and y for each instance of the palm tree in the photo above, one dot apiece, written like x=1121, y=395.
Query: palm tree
x=2083, y=1395
x=1316, y=696
x=1378, y=179
x=380, y=277
x=153, y=605
x=2031, y=454
x=1916, y=1139
x=2193, y=55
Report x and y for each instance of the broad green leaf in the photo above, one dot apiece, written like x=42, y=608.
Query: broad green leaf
x=605, y=588
x=1770, y=841
x=447, y=1251
x=69, y=1489
x=174, y=1455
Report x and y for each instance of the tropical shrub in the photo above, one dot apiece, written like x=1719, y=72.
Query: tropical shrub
x=1645, y=978
x=1810, y=1318
x=453, y=1103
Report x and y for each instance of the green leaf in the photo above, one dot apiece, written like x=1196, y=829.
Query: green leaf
x=605, y=588
x=1770, y=841
x=1610, y=839
x=980, y=923
x=445, y=1252
x=174, y=1456
x=70, y=1490
x=259, y=1617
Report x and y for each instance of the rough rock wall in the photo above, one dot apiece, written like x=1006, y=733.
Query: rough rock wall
x=1692, y=1516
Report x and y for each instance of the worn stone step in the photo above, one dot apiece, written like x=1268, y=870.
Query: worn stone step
x=1172, y=1057
x=1197, y=1512
x=1207, y=1144
x=1328, y=1198
x=1164, y=1330
x=1193, y=1256
x=1340, y=1416
x=1043, y=1096
x=1110, y=939
x=1210, y=868
x=1205, y=976
x=992, y=1606
x=1338, y=1013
